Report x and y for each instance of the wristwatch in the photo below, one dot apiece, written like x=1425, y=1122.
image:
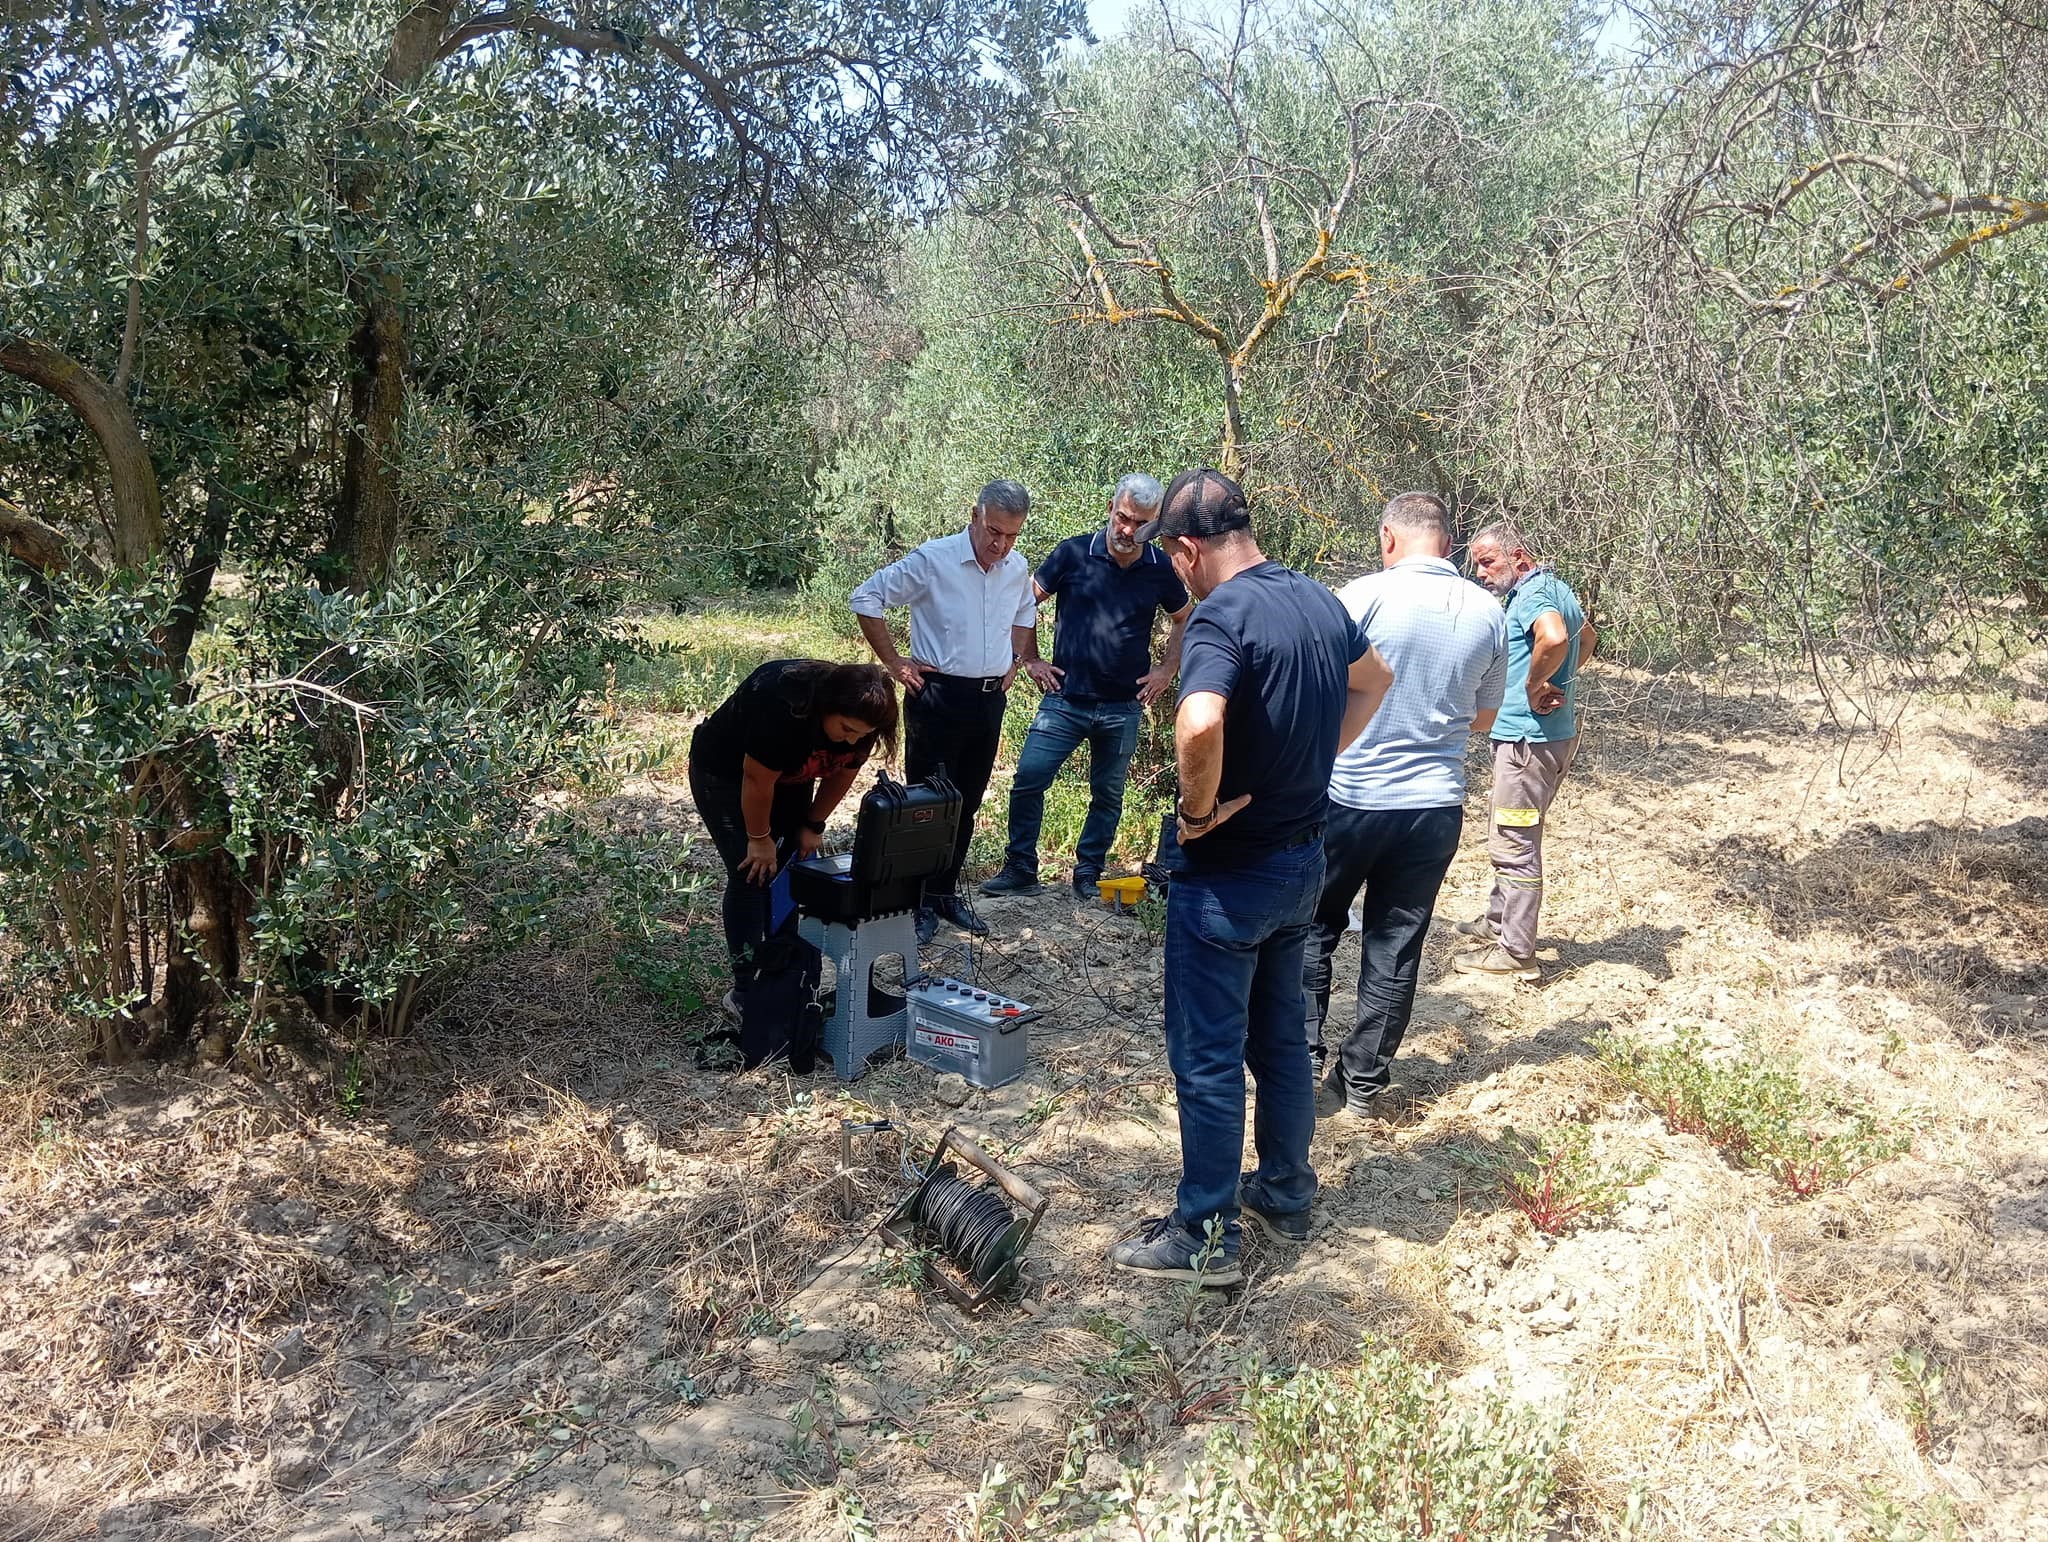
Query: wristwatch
x=815, y=826
x=1181, y=813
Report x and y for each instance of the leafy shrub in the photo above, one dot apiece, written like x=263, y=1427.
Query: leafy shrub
x=346, y=802
x=1553, y=1178
x=1757, y=1113
x=1381, y=1450
x=85, y=708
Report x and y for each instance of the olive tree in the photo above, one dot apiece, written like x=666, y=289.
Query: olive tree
x=441, y=326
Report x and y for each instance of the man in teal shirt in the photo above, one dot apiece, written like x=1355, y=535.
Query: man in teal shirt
x=1534, y=739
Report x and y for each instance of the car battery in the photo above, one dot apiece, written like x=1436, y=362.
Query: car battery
x=955, y=1026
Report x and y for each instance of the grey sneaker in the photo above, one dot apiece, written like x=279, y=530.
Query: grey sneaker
x=1497, y=960
x=1011, y=880
x=1482, y=928
x=1290, y=1227
x=1162, y=1249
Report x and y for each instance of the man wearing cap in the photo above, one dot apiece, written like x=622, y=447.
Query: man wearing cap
x=1534, y=740
x=1397, y=793
x=1274, y=676
x=1111, y=587
x=973, y=625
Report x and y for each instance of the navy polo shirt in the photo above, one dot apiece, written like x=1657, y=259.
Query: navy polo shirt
x=1278, y=648
x=1102, y=634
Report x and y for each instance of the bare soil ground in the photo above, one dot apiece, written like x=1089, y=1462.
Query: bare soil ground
x=538, y=1275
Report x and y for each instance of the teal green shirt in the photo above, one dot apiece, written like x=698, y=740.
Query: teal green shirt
x=1537, y=591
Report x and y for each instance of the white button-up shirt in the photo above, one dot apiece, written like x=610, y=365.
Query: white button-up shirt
x=960, y=615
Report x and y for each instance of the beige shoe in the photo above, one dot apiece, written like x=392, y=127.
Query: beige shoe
x=1497, y=960
x=1481, y=928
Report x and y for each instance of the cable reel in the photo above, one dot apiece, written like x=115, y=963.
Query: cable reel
x=975, y=1231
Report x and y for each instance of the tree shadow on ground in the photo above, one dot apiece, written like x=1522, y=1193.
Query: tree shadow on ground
x=2018, y=751
x=1957, y=910
x=1642, y=946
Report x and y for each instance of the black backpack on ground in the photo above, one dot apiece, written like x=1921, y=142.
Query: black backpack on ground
x=780, y=1014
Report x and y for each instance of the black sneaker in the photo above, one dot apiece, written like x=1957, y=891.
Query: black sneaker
x=1011, y=880
x=1163, y=1250
x=954, y=910
x=927, y=925
x=1291, y=1227
x=1085, y=892
x=1389, y=1105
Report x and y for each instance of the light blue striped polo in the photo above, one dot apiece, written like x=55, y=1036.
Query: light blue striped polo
x=1446, y=639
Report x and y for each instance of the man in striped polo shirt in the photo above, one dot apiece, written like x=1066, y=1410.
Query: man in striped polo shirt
x=1397, y=793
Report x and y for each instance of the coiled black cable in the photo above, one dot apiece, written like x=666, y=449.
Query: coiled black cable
x=969, y=1221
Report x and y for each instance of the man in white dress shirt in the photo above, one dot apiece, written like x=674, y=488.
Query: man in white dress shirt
x=973, y=625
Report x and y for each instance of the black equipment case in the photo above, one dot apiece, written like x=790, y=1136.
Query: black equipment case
x=902, y=836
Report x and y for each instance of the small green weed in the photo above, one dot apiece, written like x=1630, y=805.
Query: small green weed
x=1132, y=1359
x=1886, y=1519
x=1919, y=1380
x=1206, y=1259
x=1757, y=1113
x=854, y=1522
x=1883, y=1519
x=1379, y=1452
x=1151, y=912
x=1008, y=1507
x=351, y=1093
x=1553, y=1177
x=683, y=970
x=905, y=1267
x=1042, y=1108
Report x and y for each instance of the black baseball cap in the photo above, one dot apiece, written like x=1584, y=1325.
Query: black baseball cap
x=1198, y=504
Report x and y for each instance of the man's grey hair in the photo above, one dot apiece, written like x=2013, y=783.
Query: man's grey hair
x=1501, y=533
x=1004, y=496
x=1419, y=514
x=1143, y=491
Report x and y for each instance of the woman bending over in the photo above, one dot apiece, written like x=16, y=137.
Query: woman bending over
x=771, y=763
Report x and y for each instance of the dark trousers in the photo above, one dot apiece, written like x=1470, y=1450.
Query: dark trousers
x=746, y=908
x=954, y=726
x=1399, y=857
x=1234, y=942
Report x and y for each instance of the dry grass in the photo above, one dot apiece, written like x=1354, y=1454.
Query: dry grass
x=1710, y=1408
x=547, y=1208
x=201, y=1260
x=555, y=1157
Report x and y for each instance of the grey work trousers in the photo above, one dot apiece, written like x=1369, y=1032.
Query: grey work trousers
x=1526, y=773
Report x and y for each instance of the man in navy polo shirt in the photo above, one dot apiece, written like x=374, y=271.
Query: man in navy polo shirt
x=1274, y=676
x=1110, y=586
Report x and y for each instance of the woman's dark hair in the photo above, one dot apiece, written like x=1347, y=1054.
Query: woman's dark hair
x=865, y=692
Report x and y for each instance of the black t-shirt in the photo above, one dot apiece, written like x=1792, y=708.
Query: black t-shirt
x=1103, y=635
x=770, y=719
x=1278, y=648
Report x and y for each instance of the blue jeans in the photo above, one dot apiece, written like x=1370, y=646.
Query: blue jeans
x=1234, y=945
x=1110, y=730
x=1399, y=858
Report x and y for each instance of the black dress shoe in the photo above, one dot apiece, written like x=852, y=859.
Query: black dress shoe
x=927, y=926
x=952, y=908
x=1011, y=880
